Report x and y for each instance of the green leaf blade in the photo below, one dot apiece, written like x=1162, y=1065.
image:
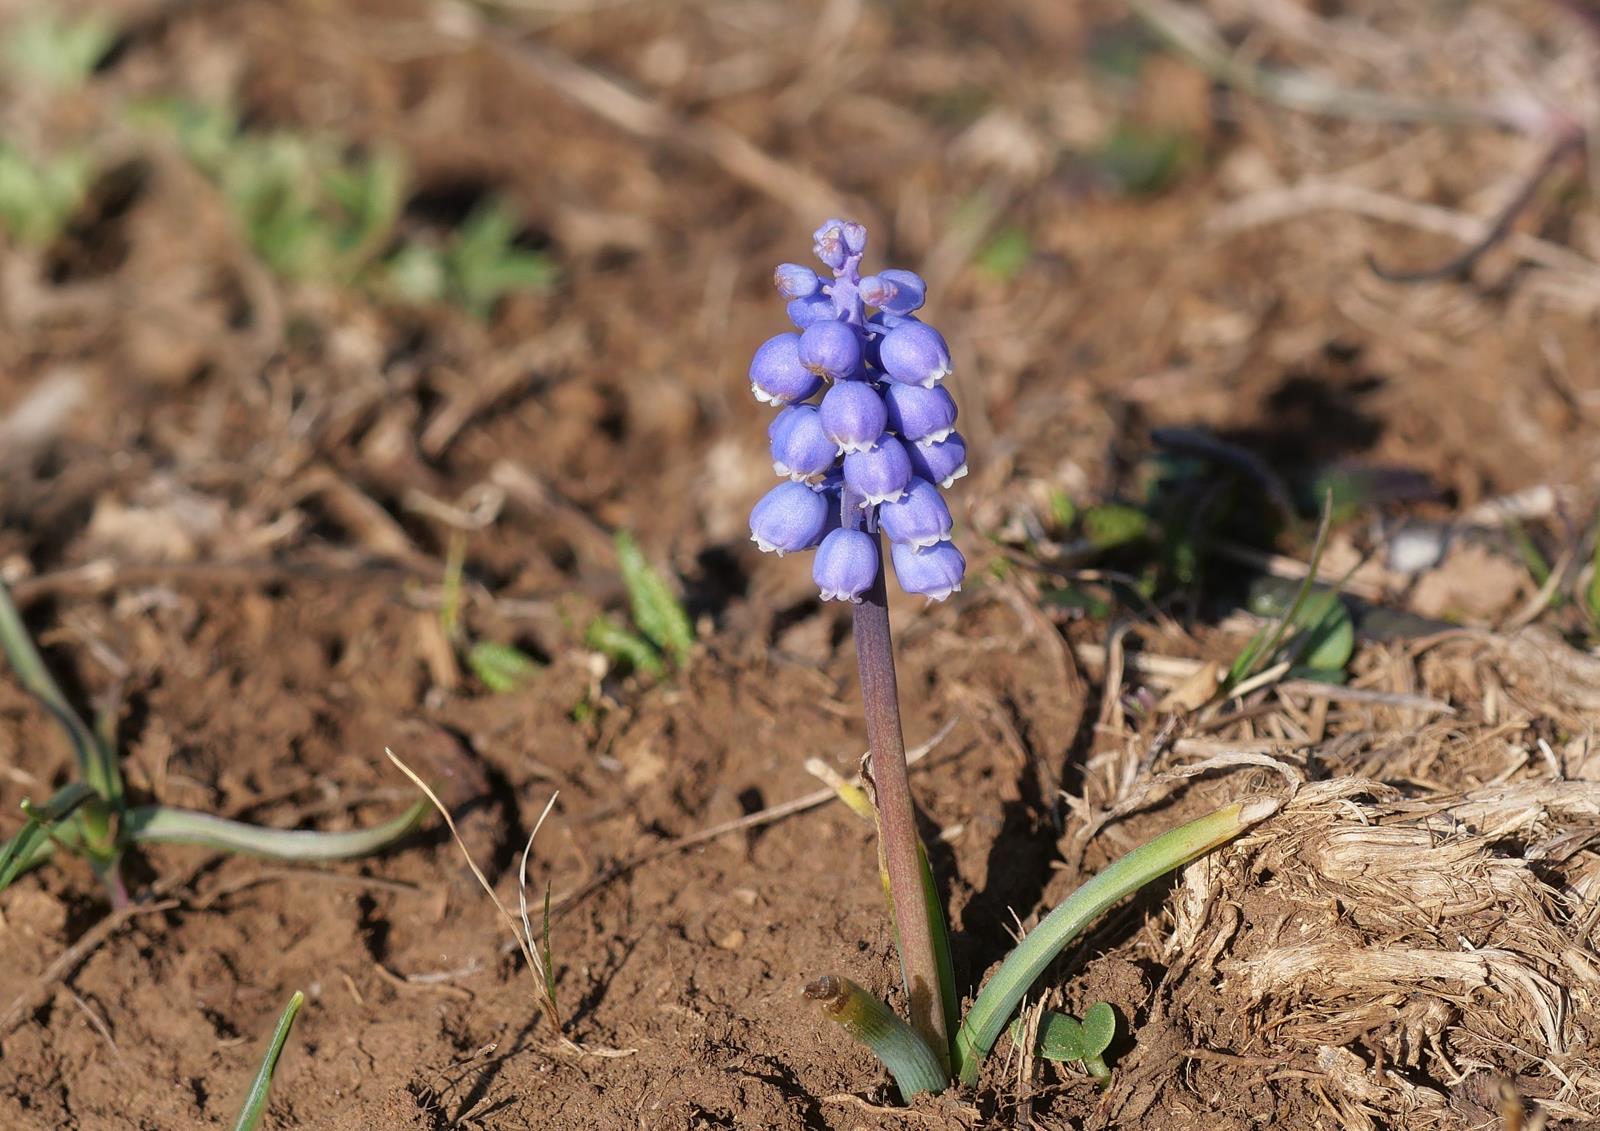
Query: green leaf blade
x=255, y=1101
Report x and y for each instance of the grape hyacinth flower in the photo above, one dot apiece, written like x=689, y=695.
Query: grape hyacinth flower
x=883, y=429
x=868, y=459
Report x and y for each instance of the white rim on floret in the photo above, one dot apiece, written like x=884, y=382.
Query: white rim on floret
x=954, y=475
x=841, y=595
x=874, y=500
x=767, y=547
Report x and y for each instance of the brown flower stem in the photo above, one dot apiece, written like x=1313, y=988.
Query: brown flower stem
x=897, y=825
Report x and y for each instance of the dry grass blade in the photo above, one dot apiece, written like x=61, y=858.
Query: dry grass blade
x=525, y=939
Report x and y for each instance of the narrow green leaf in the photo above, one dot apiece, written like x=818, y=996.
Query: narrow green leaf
x=501, y=667
x=255, y=1102
x=1004, y=991
x=97, y=765
x=155, y=824
x=657, y=611
x=611, y=639
x=33, y=845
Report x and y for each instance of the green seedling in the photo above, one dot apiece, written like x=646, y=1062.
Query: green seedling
x=58, y=54
x=661, y=632
x=474, y=269
x=255, y=1101
x=91, y=817
x=1065, y=1038
x=315, y=212
x=39, y=197
x=501, y=668
x=1317, y=622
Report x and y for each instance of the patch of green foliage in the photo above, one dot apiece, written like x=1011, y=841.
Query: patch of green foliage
x=661, y=631
x=1063, y=1037
x=316, y=210
x=39, y=196
x=59, y=54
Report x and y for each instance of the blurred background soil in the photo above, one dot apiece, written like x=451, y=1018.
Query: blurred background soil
x=302, y=302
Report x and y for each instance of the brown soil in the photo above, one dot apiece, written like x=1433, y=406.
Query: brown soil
x=237, y=535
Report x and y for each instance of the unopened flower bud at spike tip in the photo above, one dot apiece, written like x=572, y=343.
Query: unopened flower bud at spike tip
x=777, y=375
x=878, y=474
x=796, y=281
x=831, y=349
x=846, y=565
x=894, y=291
x=789, y=517
x=934, y=573
x=914, y=353
x=828, y=244
x=853, y=415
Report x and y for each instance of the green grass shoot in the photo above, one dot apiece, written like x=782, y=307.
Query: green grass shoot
x=656, y=610
x=91, y=816
x=255, y=1101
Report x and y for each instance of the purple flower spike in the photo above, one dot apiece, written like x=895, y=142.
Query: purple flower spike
x=800, y=449
x=894, y=291
x=918, y=519
x=920, y=415
x=934, y=573
x=846, y=565
x=776, y=374
x=808, y=311
x=831, y=349
x=940, y=461
x=789, y=517
x=914, y=353
x=879, y=474
x=853, y=416
x=796, y=281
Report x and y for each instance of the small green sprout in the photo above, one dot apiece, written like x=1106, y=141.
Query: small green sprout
x=39, y=197
x=58, y=54
x=477, y=267
x=1063, y=1037
x=315, y=212
x=1316, y=621
x=255, y=1101
x=501, y=668
x=92, y=818
x=664, y=631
